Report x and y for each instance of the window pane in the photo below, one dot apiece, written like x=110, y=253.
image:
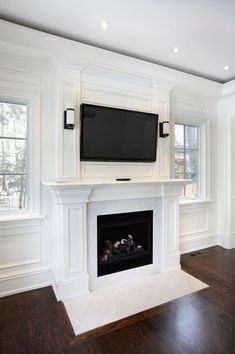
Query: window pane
x=13, y=162
x=187, y=157
x=13, y=120
x=191, y=137
x=191, y=163
x=12, y=156
x=13, y=192
x=179, y=164
x=191, y=189
x=179, y=135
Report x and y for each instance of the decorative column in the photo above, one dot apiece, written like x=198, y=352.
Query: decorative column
x=170, y=226
x=226, y=167
x=70, y=264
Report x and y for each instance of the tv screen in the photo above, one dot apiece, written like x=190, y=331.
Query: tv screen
x=112, y=134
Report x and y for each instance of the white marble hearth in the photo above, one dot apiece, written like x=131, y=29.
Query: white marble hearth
x=115, y=302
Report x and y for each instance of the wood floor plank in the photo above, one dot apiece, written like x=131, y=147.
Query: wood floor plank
x=200, y=323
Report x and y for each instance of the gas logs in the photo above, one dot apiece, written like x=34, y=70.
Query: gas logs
x=118, y=249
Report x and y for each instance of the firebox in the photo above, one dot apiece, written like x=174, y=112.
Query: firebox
x=125, y=241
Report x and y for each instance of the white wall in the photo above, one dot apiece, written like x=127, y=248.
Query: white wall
x=67, y=72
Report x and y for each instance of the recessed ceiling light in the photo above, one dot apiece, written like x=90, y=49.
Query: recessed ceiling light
x=175, y=50
x=104, y=25
x=226, y=67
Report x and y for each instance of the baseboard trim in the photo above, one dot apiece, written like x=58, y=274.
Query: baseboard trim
x=227, y=241
x=70, y=288
x=25, y=281
x=193, y=243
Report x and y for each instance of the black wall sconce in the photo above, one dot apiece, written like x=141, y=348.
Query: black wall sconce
x=69, y=118
x=164, y=129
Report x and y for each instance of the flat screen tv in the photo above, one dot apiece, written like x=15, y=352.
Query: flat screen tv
x=113, y=134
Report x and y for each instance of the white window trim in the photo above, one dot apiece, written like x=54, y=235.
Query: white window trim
x=23, y=94
x=204, y=163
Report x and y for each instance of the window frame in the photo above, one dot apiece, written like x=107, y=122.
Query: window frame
x=31, y=98
x=204, y=160
x=199, y=158
x=27, y=173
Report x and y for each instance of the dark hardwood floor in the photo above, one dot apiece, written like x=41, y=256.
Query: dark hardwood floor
x=203, y=322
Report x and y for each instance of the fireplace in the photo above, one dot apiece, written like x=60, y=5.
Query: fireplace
x=125, y=241
x=77, y=206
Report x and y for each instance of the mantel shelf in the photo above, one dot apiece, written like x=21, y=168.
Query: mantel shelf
x=97, y=190
x=67, y=184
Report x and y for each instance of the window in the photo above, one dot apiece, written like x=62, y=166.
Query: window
x=13, y=157
x=187, y=157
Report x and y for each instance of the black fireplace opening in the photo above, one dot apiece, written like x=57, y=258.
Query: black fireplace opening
x=125, y=241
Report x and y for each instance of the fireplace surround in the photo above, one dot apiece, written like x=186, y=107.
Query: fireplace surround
x=77, y=206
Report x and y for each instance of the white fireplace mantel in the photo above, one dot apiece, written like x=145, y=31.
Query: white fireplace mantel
x=77, y=206
x=114, y=190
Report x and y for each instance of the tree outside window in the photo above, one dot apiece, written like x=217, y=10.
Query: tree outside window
x=13, y=160
x=187, y=157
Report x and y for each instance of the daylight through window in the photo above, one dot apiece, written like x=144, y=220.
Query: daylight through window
x=13, y=161
x=187, y=157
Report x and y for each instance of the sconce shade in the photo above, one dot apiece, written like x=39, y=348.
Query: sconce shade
x=164, y=129
x=69, y=118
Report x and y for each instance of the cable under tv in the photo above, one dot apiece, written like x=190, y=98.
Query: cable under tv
x=123, y=179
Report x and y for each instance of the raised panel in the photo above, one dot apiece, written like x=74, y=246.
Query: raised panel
x=76, y=234
x=163, y=144
x=20, y=249
x=118, y=170
x=69, y=143
x=106, y=77
x=193, y=222
x=117, y=98
x=172, y=225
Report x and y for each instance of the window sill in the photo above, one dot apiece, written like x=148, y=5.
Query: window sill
x=8, y=221
x=195, y=201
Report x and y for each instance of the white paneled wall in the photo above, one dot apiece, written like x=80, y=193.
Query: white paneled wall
x=56, y=73
x=22, y=263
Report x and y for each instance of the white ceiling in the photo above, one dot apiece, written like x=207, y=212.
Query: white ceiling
x=204, y=30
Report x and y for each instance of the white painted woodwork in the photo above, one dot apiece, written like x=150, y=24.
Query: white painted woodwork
x=51, y=73
x=225, y=193
x=196, y=227
x=233, y=181
x=77, y=206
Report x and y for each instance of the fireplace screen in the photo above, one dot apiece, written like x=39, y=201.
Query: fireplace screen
x=124, y=241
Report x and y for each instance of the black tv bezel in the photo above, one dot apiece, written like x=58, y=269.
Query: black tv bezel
x=104, y=159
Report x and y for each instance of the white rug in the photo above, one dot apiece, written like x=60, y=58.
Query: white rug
x=114, y=302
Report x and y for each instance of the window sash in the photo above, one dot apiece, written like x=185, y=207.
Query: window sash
x=12, y=138
x=13, y=174
x=25, y=173
x=188, y=150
